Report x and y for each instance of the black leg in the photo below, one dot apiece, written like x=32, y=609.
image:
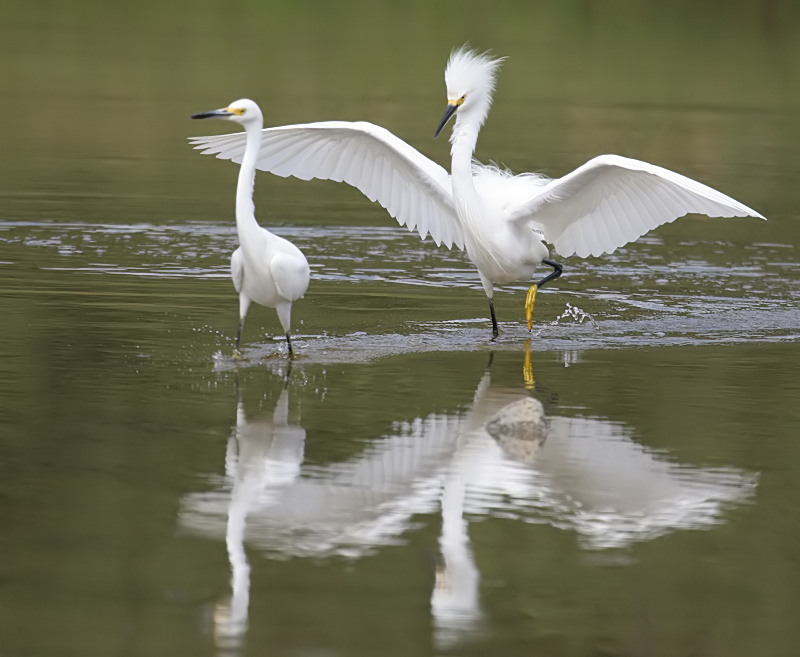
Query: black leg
x=239, y=334
x=557, y=269
x=289, y=342
x=288, y=374
x=495, y=332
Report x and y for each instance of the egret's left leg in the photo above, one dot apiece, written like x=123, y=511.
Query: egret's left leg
x=284, y=310
x=244, y=304
x=495, y=331
x=530, y=299
x=488, y=287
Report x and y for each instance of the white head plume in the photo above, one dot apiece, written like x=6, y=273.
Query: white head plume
x=471, y=75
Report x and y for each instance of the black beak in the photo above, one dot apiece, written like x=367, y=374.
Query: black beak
x=212, y=114
x=448, y=113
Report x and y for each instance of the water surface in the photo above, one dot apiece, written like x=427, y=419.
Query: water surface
x=160, y=497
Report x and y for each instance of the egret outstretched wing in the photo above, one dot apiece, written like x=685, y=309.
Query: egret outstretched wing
x=612, y=200
x=415, y=190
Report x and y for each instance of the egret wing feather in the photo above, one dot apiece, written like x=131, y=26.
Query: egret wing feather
x=290, y=274
x=612, y=200
x=414, y=190
x=502, y=191
x=237, y=269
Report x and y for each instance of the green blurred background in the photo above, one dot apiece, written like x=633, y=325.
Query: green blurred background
x=115, y=299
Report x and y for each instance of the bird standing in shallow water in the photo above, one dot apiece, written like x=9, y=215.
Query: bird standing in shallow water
x=267, y=269
x=500, y=219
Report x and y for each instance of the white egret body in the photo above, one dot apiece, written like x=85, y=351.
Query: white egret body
x=500, y=219
x=266, y=268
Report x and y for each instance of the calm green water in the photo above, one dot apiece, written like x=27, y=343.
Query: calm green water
x=158, y=498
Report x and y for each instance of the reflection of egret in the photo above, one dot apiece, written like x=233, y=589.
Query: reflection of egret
x=351, y=507
x=455, y=602
x=263, y=455
x=613, y=491
x=265, y=268
x=347, y=508
x=500, y=219
x=589, y=476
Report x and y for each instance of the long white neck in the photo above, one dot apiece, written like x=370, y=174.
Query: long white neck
x=464, y=139
x=463, y=142
x=246, y=222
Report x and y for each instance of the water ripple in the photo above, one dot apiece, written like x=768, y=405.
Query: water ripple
x=646, y=294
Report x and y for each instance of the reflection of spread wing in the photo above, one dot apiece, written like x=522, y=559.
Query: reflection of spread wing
x=344, y=507
x=613, y=200
x=415, y=190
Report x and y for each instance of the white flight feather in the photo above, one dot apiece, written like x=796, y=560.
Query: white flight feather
x=415, y=190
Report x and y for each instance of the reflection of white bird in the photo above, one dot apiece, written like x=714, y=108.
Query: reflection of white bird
x=500, y=219
x=264, y=455
x=455, y=603
x=592, y=477
x=470, y=466
x=589, y=474
x=265, y=268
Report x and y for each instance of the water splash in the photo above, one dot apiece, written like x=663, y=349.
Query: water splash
x=577, y=315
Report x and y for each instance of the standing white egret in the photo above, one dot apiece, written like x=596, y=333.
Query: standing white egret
x=267, y=269
x=499, y=218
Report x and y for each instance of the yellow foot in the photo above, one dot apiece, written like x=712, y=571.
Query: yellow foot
x=527, y=367
x=529, y=301
x=237, y=354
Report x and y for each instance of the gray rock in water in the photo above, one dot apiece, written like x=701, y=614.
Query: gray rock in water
x=519, y=428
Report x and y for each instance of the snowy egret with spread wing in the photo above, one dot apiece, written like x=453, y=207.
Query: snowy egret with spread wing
x=267, y=269
x=501, y=220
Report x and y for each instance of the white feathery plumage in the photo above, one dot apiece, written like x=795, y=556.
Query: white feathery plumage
x=266, y=268
x=500, y=219
x=474, y=74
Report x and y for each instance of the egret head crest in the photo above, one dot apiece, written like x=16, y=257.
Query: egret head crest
x=470, y=78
